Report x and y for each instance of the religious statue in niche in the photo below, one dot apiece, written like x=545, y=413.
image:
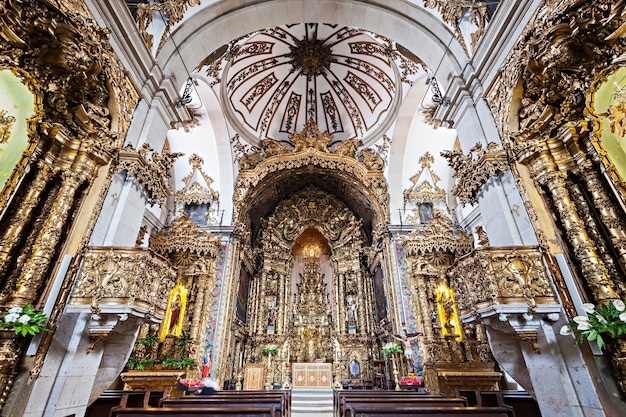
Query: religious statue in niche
x=351, y=314
x=271, y=314
x=446, y=308
x=175, y=313
x=425, y=212
x=355, y=368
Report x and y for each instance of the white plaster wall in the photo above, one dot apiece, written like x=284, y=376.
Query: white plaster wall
x=106, y=213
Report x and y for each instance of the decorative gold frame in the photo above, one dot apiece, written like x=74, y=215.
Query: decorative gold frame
x=20, y=167
x=253, y=377
x=597, y=119
x=178, y=292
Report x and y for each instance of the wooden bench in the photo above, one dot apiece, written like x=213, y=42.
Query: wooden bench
x=400, y=403
x=433, y=412
x=341, y=397
x=112, y=398
x=284, y=396
x=522, y=402
x=207, y=411
x=277, y=403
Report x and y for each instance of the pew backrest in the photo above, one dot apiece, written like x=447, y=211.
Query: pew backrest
x=399, y=403
x=435, y=412
x=276, y=404
x=209, y=411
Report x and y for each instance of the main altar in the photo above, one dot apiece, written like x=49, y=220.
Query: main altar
x=312, y=375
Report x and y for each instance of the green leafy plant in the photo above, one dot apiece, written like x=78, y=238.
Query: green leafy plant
x=24, y=320
x=182, y=343
x=604, y=321
x=148, y=341
x=273, y=349
x=140, y=364
x=391, y=347
x=176, y=363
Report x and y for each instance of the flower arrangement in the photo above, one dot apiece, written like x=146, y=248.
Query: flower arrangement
x=607, y=320
x=273, y=349
x=24, y=320
x=391, y=347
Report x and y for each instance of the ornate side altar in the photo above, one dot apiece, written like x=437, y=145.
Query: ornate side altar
x=312, y=375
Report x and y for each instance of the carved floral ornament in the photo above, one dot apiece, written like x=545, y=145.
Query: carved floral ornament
x=424, y=192
x=452, y=10
x=81, y=80
x=555, y=62
x=489, y=278
x=310, y=148
x=152, y=173
x=194, y=192
x=185, y=236
x=313, y=207
x=438, y=235
x=108, y=278
x=473, y=170
x=172, y=11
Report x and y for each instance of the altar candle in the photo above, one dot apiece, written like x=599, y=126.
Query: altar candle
x=288, y=354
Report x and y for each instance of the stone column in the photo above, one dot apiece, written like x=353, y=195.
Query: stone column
x=202, y=291
x=609, y=216
x=14, y=230
x=361, y=307
x=585, y=249
x=281, y=304
x=37, y=265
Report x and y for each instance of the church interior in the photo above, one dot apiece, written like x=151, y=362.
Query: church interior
x=380, y=195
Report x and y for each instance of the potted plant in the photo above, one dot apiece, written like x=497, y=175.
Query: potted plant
x=24, y=320
x=601, y=322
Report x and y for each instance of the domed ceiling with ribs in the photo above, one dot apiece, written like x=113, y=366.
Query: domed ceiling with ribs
x=345, y=79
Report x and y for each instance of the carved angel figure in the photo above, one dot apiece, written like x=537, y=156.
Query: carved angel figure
x=6, y=124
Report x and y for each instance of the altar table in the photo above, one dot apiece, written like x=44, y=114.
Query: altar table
x=312, y=375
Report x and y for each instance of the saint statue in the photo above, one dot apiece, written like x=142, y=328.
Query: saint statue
x=351, y=314
x=174, y=316
x=271, y=314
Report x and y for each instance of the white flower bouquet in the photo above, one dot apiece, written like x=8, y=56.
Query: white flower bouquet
x=24, y=320
x=273, y=349
x=607, y=320
x=391, y=347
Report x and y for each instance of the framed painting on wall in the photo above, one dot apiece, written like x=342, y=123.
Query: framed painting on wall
x=253, y=377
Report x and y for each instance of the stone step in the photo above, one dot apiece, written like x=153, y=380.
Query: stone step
x=312, y=402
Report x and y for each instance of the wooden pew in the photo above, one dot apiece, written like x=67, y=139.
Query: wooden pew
x=284, y=396
x=276, y=403
x=341, y=397
x=432, y=412
x=208, y=411
x=112, y=398
x=400, y=404
x=522, y=402
x=470, y=395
